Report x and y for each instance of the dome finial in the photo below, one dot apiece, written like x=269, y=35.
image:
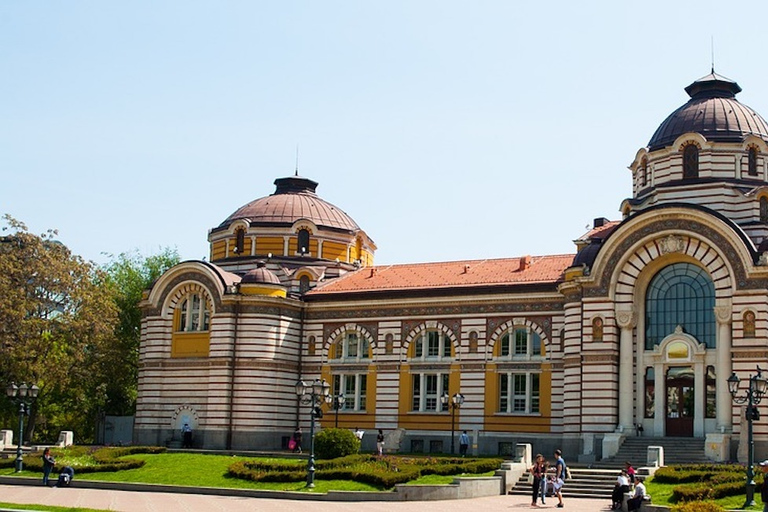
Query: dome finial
x=296, y=173
x=712, y=43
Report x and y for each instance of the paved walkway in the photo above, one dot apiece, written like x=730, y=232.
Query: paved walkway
x=133, y=501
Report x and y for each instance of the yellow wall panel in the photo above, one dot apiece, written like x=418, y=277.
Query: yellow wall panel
x=218, y=250
x=190, y=344
x=333, y=250
x=265, y=245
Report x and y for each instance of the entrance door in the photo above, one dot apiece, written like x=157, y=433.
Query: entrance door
x=680, y=398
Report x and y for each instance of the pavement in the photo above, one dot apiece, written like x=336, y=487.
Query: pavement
x=141, y=501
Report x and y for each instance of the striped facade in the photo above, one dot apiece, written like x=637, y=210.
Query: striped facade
x=641, y=326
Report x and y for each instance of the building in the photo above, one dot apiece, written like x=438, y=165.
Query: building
x=641, y=326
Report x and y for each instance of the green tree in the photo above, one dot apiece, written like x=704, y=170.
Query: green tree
x=57, y=316
x=129, y=275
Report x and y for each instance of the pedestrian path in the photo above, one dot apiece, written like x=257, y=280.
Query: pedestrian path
x=134, y=501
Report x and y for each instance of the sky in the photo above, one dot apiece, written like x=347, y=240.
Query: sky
x=448, y=130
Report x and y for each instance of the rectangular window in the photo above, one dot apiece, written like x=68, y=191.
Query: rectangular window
x=520, y=393
x=427, y=390
x=351, y=345
x=195, y=313
x=433, y=342
x=505, y=345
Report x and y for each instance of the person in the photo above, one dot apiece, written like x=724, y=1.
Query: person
x=630, y=471
x=297, y=440
x=764, y=488
x=48, y=463
x=463, y=443
x=637, y=498
x=65, y=477
x=539, y=473
x=380, y=443
x=621, y=487
x=545, y=481
x=359, y=435
x=186, y=433
x=560, y=476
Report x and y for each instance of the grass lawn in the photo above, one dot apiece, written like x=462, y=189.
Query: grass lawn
x=46, y=508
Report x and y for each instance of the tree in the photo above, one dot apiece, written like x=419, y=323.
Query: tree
x=129, y=274
x=57, y=317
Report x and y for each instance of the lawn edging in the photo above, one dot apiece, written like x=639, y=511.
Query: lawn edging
x=459, y=489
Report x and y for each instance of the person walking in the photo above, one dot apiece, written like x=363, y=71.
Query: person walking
x=48, y=463
x=380, y=443
x=297, y=440
x=544, y=478
x=359, y=435
x=538, y=471
x=463, y=443
x=560, y=476
x=186, y=435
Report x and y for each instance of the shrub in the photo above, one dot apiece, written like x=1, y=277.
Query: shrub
x=699, y=506
x=331, y=443
x=104, y=459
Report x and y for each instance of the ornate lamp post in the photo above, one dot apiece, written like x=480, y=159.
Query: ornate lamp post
x=455, y=402
x=313, y=395
x=337, y=402
x=755, y=391
x=24, y=396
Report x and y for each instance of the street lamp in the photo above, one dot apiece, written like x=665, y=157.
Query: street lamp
x=20, y=394
x=757, y=388
x=455, y=402
x=313, y=395
x=337, y=402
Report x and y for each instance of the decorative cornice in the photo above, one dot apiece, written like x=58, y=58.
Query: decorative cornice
x=599, y=358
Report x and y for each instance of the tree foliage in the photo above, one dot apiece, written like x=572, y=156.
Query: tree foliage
x=57, y=317
x=129, y=274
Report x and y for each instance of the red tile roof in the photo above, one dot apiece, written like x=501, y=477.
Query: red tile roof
x=451, y=274
x=601, y=231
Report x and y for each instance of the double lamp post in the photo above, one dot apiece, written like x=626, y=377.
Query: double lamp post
x=454, y=402
x=755, y=391
x=23, y=395
x=314, y=395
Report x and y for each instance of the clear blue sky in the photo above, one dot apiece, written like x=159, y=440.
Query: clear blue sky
x=448, y=130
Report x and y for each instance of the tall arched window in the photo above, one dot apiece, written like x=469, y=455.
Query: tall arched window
x=644, y=173
x=303, y=241
x=194, y=314
x=304, y=284
x=240, y=241
x=764, y=210
x=691, y=161
x=680, y=294
x=752, y=161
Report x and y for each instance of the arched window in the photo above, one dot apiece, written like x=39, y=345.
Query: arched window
x=680, y=294
x=304, y=284
x=303, y=241
x=691, y=161
x=432, y=345
x=520, y=342
x=749, y=324
x=194, y=314
x=240, y=241
x=597, y=329
x=752, y=161
x=644, y=173
x=764, y=210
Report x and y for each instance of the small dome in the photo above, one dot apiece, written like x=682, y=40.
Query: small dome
x=260, y=275
x=714, y=112
x=294, y=199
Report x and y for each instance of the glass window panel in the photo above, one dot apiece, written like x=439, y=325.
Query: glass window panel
x=505, y=345
x=351, y=345
x=363, y=391
x=433, y=344
x=536, y=339
x=503, y=392
x=535, y=377
x=416, y=392
x=446, y=345
x=521, y=342
x=364, y=348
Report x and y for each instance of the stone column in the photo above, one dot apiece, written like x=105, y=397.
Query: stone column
x=724, y=367
x=626, y=319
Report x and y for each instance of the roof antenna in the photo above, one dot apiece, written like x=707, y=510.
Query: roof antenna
x=297, y=160
x=712, y=43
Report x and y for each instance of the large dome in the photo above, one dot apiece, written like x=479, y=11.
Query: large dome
x=714, y=112
x=294, y=199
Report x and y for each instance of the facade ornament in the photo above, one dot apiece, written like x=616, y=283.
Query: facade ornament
x=762, y=260
x=723, y=314
x=626, y=318
x=672, y=243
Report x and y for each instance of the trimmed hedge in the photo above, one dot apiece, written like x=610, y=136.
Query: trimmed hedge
x=702, y=482
x=699, y=506
x=106, y=459
x=384, y=472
